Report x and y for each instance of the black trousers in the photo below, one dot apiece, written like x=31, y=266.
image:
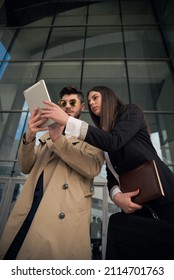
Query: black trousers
x=140, y=236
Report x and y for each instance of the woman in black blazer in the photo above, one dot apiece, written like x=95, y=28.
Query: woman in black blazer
x=122, y=132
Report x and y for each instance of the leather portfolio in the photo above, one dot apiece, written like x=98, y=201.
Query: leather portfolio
x=145, y=177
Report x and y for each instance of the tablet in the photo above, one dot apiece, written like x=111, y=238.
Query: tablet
x=35, y=95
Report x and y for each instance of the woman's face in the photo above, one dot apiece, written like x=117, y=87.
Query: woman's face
x=95, y=102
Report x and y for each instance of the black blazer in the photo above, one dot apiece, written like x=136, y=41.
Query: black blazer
x=129, y=145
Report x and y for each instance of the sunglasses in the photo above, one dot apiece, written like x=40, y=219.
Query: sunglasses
x=63, y=103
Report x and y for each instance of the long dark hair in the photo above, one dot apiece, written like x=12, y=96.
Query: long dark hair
x=110, y=106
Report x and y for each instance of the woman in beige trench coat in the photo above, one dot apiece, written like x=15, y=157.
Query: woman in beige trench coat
x=60, y=228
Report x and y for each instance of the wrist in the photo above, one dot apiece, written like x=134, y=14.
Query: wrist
x=27, y=140
x=116, y=196
x=115, y=190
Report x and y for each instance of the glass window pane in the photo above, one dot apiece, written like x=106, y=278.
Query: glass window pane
x=105, y=13
x=3, y=190
x=59, y=74
x=61, y=70
x=137, y=12
x=111, y=74
x=144, y=42
x=29, y=43
x=6, y=36
x=70, y=14
x=40, y=14
x=173, y=60
x=20, y=13
x=151, y=85
x=12, y=128
x=104, y=42
x=162, y=135
x=16, y=78
x=165, y=11
x=169, y=38
x=66, y=42
x=37, y=20
x=20, y=72
x=6, y=168
x=2, y=187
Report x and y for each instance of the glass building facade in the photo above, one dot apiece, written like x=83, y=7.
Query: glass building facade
x=127, y=45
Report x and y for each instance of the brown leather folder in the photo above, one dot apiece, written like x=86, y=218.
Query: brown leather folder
x=145, y=178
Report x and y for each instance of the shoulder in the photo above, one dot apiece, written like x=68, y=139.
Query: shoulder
x=129, y=109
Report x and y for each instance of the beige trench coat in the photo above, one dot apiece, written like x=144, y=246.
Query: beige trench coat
x=69, y=168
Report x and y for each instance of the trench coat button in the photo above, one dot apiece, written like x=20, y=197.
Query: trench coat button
x=65, y=186
x=61, y=215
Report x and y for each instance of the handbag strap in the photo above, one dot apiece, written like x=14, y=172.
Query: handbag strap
x=154, y=214
x=110, y=166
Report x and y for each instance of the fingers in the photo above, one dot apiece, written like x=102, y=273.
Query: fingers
x=51, y=104
x=38, y=123
x=135, y=192
x=134, y=205
x=131, y=207
x=123, y=200
x=35, y=122
x=34, y=113
x=54, y=112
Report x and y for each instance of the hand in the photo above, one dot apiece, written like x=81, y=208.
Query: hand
x=55, y=130
x=123, y=200
x=33, y=125
x=54, y=112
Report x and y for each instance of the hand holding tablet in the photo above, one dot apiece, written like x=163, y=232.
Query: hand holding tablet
x=35, y=95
